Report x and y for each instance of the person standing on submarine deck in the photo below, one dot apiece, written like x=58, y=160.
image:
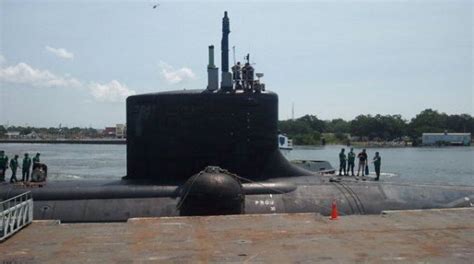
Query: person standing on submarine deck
x=248, y=75
x=377, y=162
x=36, y=161
x=362, y=162
x=25, y=175
x=14, y=167
x=350, y=161
x=342, y=162
x=237, y=75
x=3, y=165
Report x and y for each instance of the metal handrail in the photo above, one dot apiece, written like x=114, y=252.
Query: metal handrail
x=15, y=213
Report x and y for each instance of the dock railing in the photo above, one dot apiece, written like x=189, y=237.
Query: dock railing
x=15, y=213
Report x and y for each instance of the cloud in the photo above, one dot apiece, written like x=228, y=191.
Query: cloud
x=61, y=53
x=173, y=76
x=23, y=73
x=2, y=59
x=113, y=91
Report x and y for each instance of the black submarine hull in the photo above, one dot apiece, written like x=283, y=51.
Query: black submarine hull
x=97, y=201
x=173, y=136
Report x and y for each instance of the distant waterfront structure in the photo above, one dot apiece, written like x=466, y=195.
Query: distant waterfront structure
x=119, y=131
x=109, y=132
x=32, y=135
x=13, y=134
x=458, y=139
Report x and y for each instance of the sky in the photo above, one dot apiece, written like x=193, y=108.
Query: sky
x=74, y=62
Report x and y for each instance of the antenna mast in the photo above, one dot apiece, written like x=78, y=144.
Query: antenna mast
x=233, y=53
x=293, y=111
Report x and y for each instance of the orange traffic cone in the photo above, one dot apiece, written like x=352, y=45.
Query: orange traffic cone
x=334, y=214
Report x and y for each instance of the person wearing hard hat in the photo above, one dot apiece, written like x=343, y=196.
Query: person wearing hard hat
x=25, y=175
x=14, y=167
x=342, y=162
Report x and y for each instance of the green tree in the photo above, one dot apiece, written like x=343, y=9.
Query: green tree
x=363, y=126
x=3, y=131
x=314, y=123
x=25, y=130
x=338, y=125
x=460, y=123
x=308, y=129
x=428, y=121
x=305, y=130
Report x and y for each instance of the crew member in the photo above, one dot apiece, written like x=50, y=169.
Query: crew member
x=36, y=161
x=350, y=161
x=362, y=162
x=342, y=162
x=237, y=75
x=13, y=167
x=25, y=175
x=3, y=165
x=377, y=162
x=244, y=77
x=248, y=74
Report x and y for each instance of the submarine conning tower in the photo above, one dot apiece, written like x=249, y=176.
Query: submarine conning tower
x=171, y=136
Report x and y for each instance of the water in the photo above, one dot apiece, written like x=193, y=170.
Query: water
x=75, y=161
x=449, y=165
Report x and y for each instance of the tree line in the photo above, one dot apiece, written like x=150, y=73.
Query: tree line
x=62, y=132
x=309, y=130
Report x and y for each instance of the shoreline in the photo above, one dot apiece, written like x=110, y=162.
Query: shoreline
x=360, y=145
x=380, y=145
x=66, y=141
x=124, y=142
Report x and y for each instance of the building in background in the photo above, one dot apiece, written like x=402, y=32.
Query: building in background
x=109, y=132
x=13, y=134
x=32, y=135
x=455, y=139
x=120, y=131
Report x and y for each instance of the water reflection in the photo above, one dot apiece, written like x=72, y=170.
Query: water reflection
x=451, y=165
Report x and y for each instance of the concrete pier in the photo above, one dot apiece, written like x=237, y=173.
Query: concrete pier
x=434, y=236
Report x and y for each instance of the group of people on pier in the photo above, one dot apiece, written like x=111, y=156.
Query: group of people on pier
x=14, y=164
x=347, y=163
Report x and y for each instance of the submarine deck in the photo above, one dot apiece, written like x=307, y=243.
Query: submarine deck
x=438, y=235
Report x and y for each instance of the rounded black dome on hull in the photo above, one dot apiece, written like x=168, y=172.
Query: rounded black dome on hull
x=213, y=191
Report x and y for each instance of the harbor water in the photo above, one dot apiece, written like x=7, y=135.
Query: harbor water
x=430, y=165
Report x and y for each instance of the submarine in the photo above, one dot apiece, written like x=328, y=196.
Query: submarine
x=215, y=152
